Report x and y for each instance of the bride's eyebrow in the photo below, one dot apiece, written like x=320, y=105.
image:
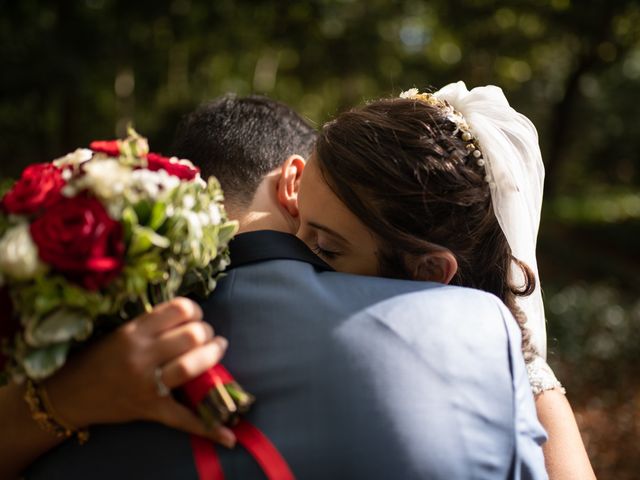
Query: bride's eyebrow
x=329, y=231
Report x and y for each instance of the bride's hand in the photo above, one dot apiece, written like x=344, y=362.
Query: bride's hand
x=114, y=380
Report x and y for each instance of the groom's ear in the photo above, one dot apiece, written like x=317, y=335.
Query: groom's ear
x=289, y=183
x=438, y=266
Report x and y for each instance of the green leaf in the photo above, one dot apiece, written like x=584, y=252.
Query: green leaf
x=129, y=220
x=44, y=296
x=61, y=326
x=143, y=210
x=227, y=231
x=6, y=184
x=49, y=293
x=43, y=362
x=143, y=239
x=158, y=215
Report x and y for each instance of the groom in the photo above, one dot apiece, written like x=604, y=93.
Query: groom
x=356, y=377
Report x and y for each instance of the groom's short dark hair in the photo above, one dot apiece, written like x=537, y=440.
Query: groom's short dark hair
x=241, y=139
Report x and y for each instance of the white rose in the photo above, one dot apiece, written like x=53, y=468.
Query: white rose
x=107, y=179
x=18, y=254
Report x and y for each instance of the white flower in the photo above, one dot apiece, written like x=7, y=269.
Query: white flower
x=199, y=181
x=107, y=178
x=208, y=217
x=18, y=254
x=188, y=202
x=153, y=185
x=195, y=224
x=74, y=159
x=205, y=220
x=214, y=214
x=412, y=92
x=224, y=263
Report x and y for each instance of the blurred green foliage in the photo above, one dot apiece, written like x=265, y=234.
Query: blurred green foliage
x=82, y=70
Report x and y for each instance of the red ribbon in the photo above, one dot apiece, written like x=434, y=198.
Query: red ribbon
x=206, y=459
x=250, y=437
x=198, y=388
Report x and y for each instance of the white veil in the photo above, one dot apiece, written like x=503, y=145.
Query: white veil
x=515, y=172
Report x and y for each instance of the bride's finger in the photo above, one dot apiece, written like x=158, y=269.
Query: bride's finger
x=176, y=415
x=191, y=364
x=179, y=340
x=167, y=315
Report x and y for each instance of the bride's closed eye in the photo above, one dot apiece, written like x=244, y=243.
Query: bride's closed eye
x=324, y=253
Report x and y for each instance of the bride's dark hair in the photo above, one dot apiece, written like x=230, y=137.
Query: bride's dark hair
x=401, y=166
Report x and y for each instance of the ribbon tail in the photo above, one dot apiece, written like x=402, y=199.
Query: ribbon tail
x=206, y=459
x=263, y=451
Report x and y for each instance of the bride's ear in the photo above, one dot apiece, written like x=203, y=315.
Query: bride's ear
x=439, y=266
x=289, y=183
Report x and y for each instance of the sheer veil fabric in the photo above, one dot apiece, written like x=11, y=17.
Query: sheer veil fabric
x=515, y=172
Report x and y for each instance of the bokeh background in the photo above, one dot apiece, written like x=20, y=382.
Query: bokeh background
x=71, y=72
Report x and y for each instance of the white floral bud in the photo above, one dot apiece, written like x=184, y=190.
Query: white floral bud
x=153, y=185
x=188, y=202
x=204, y=219
x=18, y=254
x=74, y=159
x=412, y=92
x=223, y=264
x=195, y=225
x=214, y=214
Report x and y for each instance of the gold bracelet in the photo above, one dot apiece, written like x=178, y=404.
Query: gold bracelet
x=46, y=417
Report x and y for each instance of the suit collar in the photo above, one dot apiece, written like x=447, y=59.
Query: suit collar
x=265, y=245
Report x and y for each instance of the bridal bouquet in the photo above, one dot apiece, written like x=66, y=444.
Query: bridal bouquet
x=94, y=239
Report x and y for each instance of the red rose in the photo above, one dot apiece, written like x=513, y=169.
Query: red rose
x=110, y=147
x=9, y=324
x=77, y=237
x=38, y=188
x=183, y=171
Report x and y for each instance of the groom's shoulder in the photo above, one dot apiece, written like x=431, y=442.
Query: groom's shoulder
x=420, y=294
x=474, y=315
x=424, y=309
x=304, y=283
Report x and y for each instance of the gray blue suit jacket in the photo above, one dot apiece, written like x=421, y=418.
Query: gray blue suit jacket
x=355, y=378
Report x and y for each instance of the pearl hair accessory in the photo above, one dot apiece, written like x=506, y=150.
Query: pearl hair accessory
x=455, y=117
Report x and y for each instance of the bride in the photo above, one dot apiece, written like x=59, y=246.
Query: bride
x=444, y=187
x=409, y=198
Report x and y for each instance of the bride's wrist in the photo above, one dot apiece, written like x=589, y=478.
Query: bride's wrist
x=68, y=401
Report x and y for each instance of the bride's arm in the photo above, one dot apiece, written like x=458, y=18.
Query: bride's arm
x=564, y=454
x=88, y=390
x=21, y=440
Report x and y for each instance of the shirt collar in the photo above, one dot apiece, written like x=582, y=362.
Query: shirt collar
x=265, y=245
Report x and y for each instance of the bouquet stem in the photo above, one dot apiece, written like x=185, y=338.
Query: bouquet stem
x=217, y=397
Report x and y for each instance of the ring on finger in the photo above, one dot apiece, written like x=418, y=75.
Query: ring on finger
x=161, y=387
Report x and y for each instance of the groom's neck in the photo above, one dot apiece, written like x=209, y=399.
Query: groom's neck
x=261, y=220
x=264, y=212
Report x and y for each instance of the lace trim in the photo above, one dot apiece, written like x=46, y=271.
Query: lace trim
x=541, y=377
